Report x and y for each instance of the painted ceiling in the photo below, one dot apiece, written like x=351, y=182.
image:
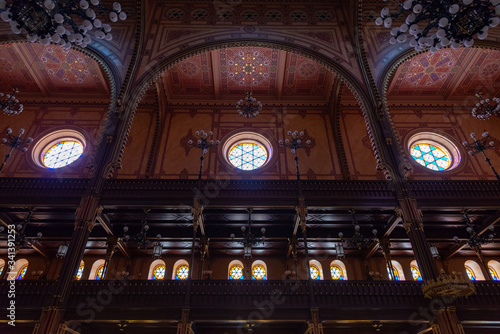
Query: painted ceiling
x=272, y=75
x=50, y=71
x=448, y=75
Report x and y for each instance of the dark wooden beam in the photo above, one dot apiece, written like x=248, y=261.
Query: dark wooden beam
x=106, y=225
x=5, y=221
x=391, y=225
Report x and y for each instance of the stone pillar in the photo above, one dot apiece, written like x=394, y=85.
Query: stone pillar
x=86, y=214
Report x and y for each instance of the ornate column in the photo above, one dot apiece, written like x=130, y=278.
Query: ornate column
x=86, y=215
x=447, y=322
x=314, y=326
x=184, y=325
x=111, y=242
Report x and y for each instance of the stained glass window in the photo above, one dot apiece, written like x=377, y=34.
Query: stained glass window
x=415, y=272
x=182, y=272
x=62, y=154
x=337, y=273
x=470, y=273
x=247, y=156
x=236, y=272
x=158, y=272
x=1, y=269
x=259, y=273
x=98, y=275
x=394, y=275
x=22, y=272
x=314, y=272
x=493, y=273
x=79, y=273
x=431, y=156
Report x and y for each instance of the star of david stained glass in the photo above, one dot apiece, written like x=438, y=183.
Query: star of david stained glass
x=247, y=156
x=431, y=156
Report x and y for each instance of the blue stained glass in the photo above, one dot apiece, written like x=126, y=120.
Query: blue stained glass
x=62, y=154
x=159, y=273
x=247, y=156
x=431, y=156
x=315, y=274
x=22, y=272
x=98, y=276
x=79, y=273
x=493, y=273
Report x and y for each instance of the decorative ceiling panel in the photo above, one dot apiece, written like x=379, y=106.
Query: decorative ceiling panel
x=272, y=75
x=49, y=70
x=448, y=74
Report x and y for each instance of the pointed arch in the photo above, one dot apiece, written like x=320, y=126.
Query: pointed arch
x=338, y=270
x=157, y=270
x=315, y=270
x=96, y=270
x=473, y=271
x=181, y=270
x=259, y=270
x=235, y=270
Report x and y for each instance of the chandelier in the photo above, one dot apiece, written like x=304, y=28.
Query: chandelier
x=21, y=239
x=140, y=240
x=475, y=240
x=64, y=22
x=437, y=24
x=11, y=105
x=248, y=107
x=357, y=240
x=15, y=143
x=484, y=108
x=249, y=239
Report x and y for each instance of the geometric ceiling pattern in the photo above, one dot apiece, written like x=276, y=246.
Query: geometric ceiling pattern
x=272, y=75
x=449, y=74
x=49, y=70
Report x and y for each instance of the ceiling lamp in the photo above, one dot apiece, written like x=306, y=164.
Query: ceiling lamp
x=249, y=239
x=437, y=24
x=485, y=108
x=11, y=105
x=64, y=22
x=248, y=107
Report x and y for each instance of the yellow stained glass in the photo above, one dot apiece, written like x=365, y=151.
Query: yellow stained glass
x=259, y=273
x=158, y=272
x=470, y=273
x=22, y=272
x=236, y=272
x=337, y=273
x=79, y=273
x=415, y=272
x=315, y=273
x=100, y=271
x=493, y=274
x=182, y=273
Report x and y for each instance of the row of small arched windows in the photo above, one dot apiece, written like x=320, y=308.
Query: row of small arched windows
x=259, y=270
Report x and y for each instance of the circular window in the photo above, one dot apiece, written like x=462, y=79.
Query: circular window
x=247, y=156
x=247, y=151
x=433, y=151
x=59, y=149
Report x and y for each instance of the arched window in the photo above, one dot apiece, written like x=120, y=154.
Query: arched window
x=2, y=266
x=397, y=274
x=259, y=270
x=97, y=270
x=494, y=268
x=337, y=270
x=59, y=148
x=181, y=270
x=315, y=270
x=415, y=272
x=22, y=272
x=20, y=268
x=79, y=272
x=157, y=270
x=235, y=270
x=473, y=271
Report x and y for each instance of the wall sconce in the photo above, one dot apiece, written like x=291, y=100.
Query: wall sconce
x=339, y=248
x=157, y=248
x=62, y=250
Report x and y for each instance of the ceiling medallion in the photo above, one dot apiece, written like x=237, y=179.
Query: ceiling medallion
x=248, y=107
x=63, y=22
x=438, y=24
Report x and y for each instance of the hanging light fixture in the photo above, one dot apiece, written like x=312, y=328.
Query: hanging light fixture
x=21, y=239
x=437, y=24
x=479, y=146
x=62, y=250
x=157, y=248
x=339, y=249
x=249, y=240
x=140, y=240
x=475, y=240
x=248, y=107
x=64, y=22
x=11, y=105
x=434, y=251
x=486, y=107
x=15, y=143
x=357, y=240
